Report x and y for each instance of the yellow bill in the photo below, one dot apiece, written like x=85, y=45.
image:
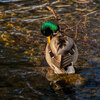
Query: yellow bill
x=48, y=39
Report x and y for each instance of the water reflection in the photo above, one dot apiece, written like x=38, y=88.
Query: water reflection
x=4, y=0
x=23, y=69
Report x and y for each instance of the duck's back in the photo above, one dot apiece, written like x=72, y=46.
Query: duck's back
x=61, y=52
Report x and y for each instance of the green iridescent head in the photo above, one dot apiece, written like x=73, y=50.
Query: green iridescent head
x=48, y=28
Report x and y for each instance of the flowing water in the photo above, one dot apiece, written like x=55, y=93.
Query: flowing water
x=22, y=62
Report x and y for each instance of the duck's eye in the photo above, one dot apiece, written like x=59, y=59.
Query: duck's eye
x=47, y=32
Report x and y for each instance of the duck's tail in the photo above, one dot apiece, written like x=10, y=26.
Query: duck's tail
x=70, y=69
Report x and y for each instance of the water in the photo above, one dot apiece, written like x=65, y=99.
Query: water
x=22, y=62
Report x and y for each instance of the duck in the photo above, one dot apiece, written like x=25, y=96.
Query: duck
x=61, y=51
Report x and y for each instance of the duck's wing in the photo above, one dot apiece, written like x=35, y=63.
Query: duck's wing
x=66, y=48
x=67, y=59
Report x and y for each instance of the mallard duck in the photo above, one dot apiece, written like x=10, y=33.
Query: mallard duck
x=61, y=51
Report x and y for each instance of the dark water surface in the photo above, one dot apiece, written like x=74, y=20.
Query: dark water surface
x=22, y=48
